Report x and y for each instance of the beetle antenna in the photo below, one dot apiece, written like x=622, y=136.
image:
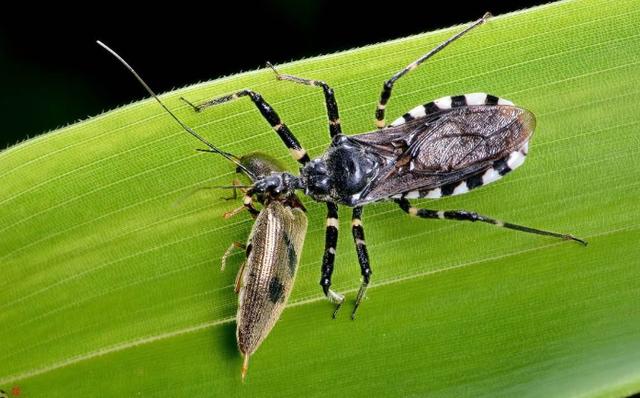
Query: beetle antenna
x=188, y=129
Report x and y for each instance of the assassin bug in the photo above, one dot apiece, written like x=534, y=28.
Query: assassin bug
x=265, y=280
x=445, y=147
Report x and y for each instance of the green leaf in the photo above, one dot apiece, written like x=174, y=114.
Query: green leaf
x=110, y=289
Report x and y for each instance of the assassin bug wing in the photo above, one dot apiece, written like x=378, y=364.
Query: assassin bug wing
x=438, y=146
x=458, y=139
x=273, y=253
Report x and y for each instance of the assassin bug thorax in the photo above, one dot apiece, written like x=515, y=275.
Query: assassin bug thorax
x=445, y=147
x=273, y=249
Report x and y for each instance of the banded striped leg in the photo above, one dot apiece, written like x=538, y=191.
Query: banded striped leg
x=363, y=256
x=462, y=215
x=329, y=98
x=331, y=240
x=388, y=85
x=270, y=115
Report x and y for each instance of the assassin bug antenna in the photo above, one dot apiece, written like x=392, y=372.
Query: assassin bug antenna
x=188, y=129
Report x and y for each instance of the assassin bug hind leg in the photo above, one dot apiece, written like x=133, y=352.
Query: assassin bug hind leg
x=268, y=113
x=329, y=97
x=388, y=85
x=463, y=215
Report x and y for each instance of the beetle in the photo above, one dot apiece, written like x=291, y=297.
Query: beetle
x=265, y=280
x=445, y=147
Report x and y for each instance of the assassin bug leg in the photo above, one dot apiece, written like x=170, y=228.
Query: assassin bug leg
x=331, y=240
x=329, y=97
x=363, y=255
x=388, y=85
x=234, y=245
x=462, y=215
x=270, y=115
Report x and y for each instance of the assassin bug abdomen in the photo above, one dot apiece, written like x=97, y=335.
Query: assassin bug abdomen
x=445, y=147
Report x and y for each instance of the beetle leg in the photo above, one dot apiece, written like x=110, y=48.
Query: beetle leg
x=329, y=98
x=331, y=240
x=234, y=245
x=270, y=115
x=248, y=203
x=239, y=277
x=363, y=256
x=463, y=215
x=388, y=85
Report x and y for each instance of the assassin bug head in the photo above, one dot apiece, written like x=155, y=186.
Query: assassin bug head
x=232, y=158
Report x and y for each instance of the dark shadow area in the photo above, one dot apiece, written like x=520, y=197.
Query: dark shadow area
x=53, y=73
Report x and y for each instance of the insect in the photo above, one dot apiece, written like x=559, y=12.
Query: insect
x=265, y=279
x=445, y=147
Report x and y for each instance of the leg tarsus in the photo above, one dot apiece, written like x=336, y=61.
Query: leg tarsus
x=195, y=107
x=335, y=298
x=359, y=298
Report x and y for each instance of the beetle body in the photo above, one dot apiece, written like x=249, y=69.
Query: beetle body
x=273, y=251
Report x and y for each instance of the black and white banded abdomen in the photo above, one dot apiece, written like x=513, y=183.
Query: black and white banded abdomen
x=493, y=172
